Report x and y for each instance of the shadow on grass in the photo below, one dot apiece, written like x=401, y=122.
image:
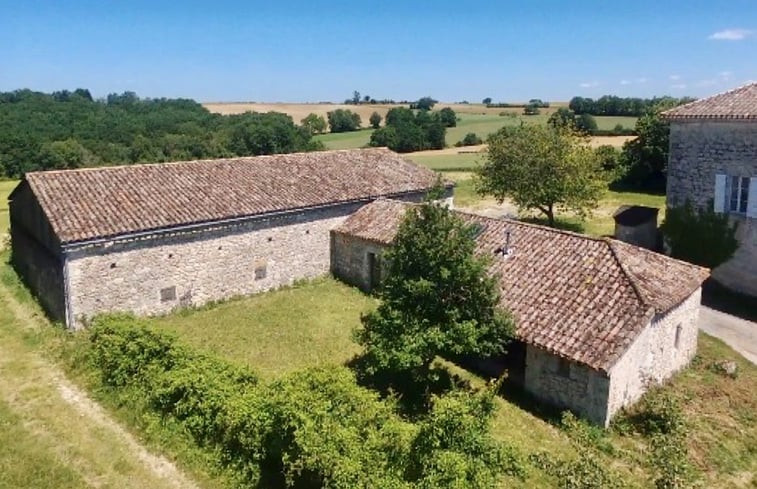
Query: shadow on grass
x=656, y=187
x=413, y=391
x=720, y=298
x=565, y=225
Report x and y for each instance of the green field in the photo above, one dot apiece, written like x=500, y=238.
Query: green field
x=481, y=124
x=5, y=189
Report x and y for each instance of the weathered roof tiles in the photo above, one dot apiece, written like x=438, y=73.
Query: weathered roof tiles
x=739, y=103
x=110, y=201
x=582, y=298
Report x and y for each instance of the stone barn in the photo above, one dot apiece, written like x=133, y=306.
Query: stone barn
x=150, y=238
x=599, y=320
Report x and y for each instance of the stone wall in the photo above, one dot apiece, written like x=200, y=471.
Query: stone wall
x=655, y=355
x=163, y=272
x=350, y=262
x=40, y=270
x=643, y=235
x=567, y=384
x=699, y=151
x=157, y=275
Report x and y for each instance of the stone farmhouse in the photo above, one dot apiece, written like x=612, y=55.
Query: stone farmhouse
x=151, y=238
x=713, y=162
x=598, y=320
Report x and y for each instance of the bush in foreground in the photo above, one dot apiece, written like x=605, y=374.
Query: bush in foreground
x=314, y=428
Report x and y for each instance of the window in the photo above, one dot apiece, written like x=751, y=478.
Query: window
x=168, y=294
x=679, y=328
x=739, y=195
x=563, y=367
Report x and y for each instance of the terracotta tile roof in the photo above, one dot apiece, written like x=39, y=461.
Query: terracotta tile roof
x=110, y=201
x=582, y=298
x=739, y=103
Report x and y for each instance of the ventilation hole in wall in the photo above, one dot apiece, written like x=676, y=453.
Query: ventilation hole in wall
x=307, y=231
x=220, y=247
x=270, y=239
x=112, y=265
x=261, y=269
x=168, y=294
x=170, y=255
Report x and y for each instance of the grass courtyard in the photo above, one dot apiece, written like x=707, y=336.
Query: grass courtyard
x=311, y=324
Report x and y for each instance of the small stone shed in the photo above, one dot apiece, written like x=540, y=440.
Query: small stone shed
x=713, y=162
x=637, y=225
x=600, y=320
x=150, y=238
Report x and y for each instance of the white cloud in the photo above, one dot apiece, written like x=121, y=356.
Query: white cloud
x=642, y=80
x=625, y=82
x=590, y=84
x=731, y=35
x=674, y=77
x=678, y=86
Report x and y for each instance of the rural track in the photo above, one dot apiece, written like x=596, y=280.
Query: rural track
x=66, y=420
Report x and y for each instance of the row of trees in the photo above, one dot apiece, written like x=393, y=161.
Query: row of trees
x=65, y=129
x=621, y=106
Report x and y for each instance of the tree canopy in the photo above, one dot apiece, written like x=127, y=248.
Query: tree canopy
x=405, y=131
x=66, y=129
x=343, y=120
x=314, y=123
x=542, y=168
x=621, y=106
x=375, y=120
x=437, y=298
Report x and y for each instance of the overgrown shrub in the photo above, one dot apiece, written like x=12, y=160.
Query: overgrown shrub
x=314, y=428
x=585, y=472
x=700, y=236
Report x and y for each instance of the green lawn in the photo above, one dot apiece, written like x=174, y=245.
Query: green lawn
x=311, y=324
x=292, y=328
x=345, y=140
x=448, y=162
x=5, y=189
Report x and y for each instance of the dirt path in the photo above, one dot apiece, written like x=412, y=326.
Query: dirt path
x=63, y=419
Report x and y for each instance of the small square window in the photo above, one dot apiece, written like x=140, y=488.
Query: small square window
x=261, y=270
x=168, y=294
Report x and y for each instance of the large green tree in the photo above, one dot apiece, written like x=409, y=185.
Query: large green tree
x=314, y=123
x=646, y=156
x=541, y=168
x=437, y=298
x=343, y=120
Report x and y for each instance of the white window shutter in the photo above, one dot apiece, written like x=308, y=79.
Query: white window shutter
x=751, y=209
x=720, y=193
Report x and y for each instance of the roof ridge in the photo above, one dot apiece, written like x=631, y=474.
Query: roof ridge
x=631, y=279
x=543, y=227
x=202, y=160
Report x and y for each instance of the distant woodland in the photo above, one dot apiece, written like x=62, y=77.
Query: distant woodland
x=70, y=129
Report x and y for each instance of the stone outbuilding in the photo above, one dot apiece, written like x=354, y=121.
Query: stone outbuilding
x=637, y=225
x=150, y=238
x=598, y=320
x=713, y=162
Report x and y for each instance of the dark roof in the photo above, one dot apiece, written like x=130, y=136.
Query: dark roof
x=739, y=103
x=110, y=201
x=633, y=215
x=579, y=297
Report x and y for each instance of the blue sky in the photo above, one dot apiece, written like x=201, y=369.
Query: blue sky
x=312, y=51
